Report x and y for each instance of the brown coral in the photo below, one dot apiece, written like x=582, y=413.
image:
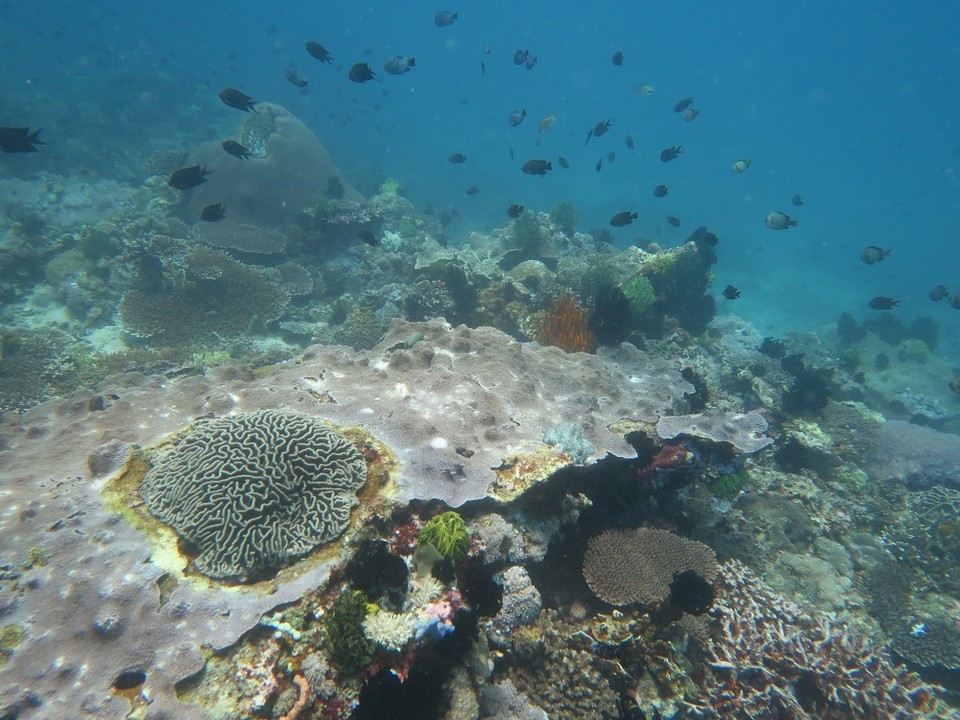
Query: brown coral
x=637, y=566
x=564, y=325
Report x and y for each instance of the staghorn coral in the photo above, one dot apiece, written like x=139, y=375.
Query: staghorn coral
x=221, y=298
x=255, y=491
x=638, y=566
x=768, y=659
x=564, y=325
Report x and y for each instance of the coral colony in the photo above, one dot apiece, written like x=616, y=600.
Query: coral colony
x=342, y=463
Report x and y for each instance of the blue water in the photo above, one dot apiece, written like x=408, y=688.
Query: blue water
x=852, y=105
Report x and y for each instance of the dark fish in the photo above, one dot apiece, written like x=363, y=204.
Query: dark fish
x=516, y=117
x=520, y=57
x=611, y=156
x=683, y=105
x=872, y=254
x=294, y=76
x=797, y=200
x=955, y=384
x=471, y=190
x=457, y=158
x=628, y=141
x=955, y=301
x=398, y=64
x=531, y=61
x=360, y=73
x=673, y=220
x=319, y=52
x=213, y=213
x=660, y=191
x=232, y=147
x=623, y=218
x=483, y=69
x=599, y=165
x=597, y=130
x=939, y=293
x=617, y=58
x=883, y=303
x=563, y=162
x=536, y=167
x=515, y=211
x=731, y=293
x=444, y=18
x=446, y=217
x=236, y=99
x=690, y=114
x=511, y=154
x=670, y=153
x=19, y=140
x=188, y=177
x=368, y=237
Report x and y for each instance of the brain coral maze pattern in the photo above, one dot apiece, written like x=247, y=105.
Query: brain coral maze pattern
x=255, y=491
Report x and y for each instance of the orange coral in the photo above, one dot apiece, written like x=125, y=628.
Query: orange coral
x=565, y=326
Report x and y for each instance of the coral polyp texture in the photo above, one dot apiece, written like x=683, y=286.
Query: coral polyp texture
x=637, y=566
x=255, y=491
x=769, y=659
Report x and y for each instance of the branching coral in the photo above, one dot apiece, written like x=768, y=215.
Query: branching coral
x=564, y=325
x=767, y=659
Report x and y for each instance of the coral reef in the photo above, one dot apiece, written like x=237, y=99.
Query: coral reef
x=255, y=491
x=448, y=534
x=769, y=658
x=221, y=298
x=344, y=637
x=288, y=169
x=564, y=325
x=638, y=566
x=744, y=431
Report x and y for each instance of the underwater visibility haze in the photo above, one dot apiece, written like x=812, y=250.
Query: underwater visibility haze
x=533, y=360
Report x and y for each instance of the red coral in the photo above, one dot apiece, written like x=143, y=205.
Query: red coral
x=565, y=326
x=670, y=457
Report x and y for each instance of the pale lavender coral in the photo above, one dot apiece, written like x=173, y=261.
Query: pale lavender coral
x=917, y=455
x=742, y=430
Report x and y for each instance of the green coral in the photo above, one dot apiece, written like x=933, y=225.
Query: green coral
x=448, y=534
x=565, y=217
x=640, y=293
x=914, y=350
x=345, y=642
x=728, y=487
x=10, y=637
x=390, y=185
x=526, y=231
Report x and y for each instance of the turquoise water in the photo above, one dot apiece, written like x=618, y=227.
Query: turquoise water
x=849, y=106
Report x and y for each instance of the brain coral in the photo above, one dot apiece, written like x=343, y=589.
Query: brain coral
x=628, y=566
x=255, y=491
